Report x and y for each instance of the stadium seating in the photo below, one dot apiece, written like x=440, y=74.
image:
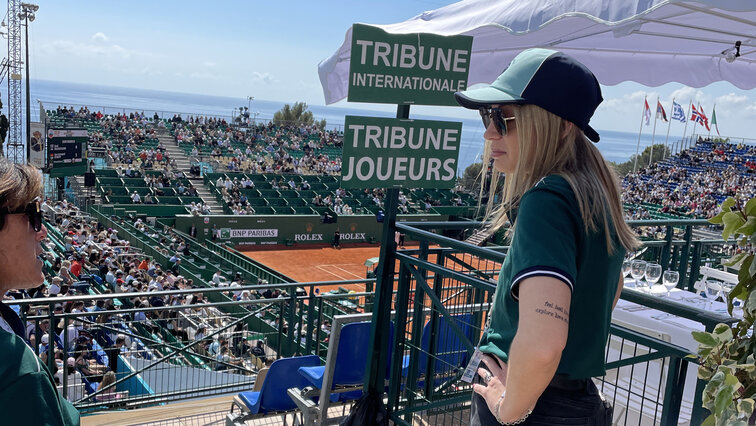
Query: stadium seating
x=342, y=376
x=449, y=350
x=272, y=397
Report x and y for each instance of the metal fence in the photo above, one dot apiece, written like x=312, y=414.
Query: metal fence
x=172, y=347
x=440, y=301
x=443, y=294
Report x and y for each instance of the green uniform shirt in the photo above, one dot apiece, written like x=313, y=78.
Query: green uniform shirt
x=550, y=240
x=27, y=389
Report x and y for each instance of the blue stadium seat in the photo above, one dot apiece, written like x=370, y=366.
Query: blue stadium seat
x=351, y=361
x=272, y=397
x=450, y=352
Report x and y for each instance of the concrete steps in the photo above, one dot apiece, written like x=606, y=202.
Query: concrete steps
x=183, y=162
x=175, y=153
x=480, y=236
x=207, y=197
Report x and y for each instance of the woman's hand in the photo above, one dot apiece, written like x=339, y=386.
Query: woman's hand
x=495, y=381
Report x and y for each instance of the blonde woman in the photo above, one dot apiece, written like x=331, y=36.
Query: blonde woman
x=551, y=313
x=27, y=388
x=65, y=274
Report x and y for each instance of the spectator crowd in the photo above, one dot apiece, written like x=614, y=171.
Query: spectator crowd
x=693, y=183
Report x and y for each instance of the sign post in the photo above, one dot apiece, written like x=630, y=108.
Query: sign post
x=403, y=69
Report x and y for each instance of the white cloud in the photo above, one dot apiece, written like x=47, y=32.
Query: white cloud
x=629, y=103
x=209, y=64
x=99, y=37
x=151, y=72
x=731, y=102
x=204, y=76
x=685, y=94
x=266, y=78
x=98, y=47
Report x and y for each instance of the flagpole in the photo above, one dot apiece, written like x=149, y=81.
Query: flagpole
x=669, y=124
x=687, y=118
x=709, y=135
x=713, y=110
x=653, y=133
x=637, y=146
x=694, y=122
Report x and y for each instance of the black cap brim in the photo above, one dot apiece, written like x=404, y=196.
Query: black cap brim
x=591, y=134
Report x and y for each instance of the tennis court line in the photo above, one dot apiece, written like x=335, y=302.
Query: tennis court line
x=324, y=269
x=348, y=272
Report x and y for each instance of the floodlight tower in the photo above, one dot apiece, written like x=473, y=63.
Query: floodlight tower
x=15, y=146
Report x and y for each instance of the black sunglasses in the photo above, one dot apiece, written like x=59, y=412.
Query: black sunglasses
x=497, y=115
x=31, y=210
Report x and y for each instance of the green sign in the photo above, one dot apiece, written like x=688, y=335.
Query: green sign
x=389, y=152
x=66, y=152
x=417, y=68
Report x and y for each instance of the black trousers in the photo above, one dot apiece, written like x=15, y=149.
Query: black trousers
x=564, y=402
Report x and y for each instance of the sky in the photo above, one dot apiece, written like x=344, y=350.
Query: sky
x=271, y=50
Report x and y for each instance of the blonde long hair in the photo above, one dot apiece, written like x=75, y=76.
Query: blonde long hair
x=543, y=152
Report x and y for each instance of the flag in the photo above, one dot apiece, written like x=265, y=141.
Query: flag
x=647, y=113
x=705, y=118
x=714, y=119
x=660, y=111
x=698, y=117
x=677, y=112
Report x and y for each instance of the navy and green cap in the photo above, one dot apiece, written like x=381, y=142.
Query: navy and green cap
x=549, y=79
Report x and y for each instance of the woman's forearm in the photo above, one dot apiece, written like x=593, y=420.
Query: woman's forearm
x=537, y=347
x=531, y=368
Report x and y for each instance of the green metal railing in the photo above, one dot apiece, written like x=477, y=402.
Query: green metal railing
x=443, y=296
x=171, y=365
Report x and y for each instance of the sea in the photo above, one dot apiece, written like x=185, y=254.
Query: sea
x=615, y=145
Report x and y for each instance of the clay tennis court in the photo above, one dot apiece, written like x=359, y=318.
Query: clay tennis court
x=319, y=263
x=326, y=263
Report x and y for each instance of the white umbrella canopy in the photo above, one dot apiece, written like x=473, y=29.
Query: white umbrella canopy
x=651, y=42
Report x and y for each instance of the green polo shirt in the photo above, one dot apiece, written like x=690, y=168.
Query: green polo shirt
x=550, y=240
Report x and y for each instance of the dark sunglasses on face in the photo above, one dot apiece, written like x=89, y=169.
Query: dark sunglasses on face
x=31, y=210
x=497, y=115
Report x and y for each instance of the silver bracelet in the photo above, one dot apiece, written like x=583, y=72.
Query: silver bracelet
x=497, y=406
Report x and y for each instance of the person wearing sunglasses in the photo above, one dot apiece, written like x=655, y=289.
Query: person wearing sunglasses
x=549, y=321
x=27, y=388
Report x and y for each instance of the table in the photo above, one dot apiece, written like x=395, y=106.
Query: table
x=670, y=328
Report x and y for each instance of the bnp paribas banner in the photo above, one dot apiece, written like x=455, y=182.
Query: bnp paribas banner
x=417, y=68
x=389, y=152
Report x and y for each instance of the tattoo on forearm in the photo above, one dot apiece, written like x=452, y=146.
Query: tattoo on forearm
x=554, y=311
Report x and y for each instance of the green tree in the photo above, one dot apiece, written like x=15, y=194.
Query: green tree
x=660, y=152
x=470, y=179
x=296, y=115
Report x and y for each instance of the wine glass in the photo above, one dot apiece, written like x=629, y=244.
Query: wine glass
x=637, y=270
x=713, y=291
x=626, y=267
x=653, y=273
x=670, y=280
